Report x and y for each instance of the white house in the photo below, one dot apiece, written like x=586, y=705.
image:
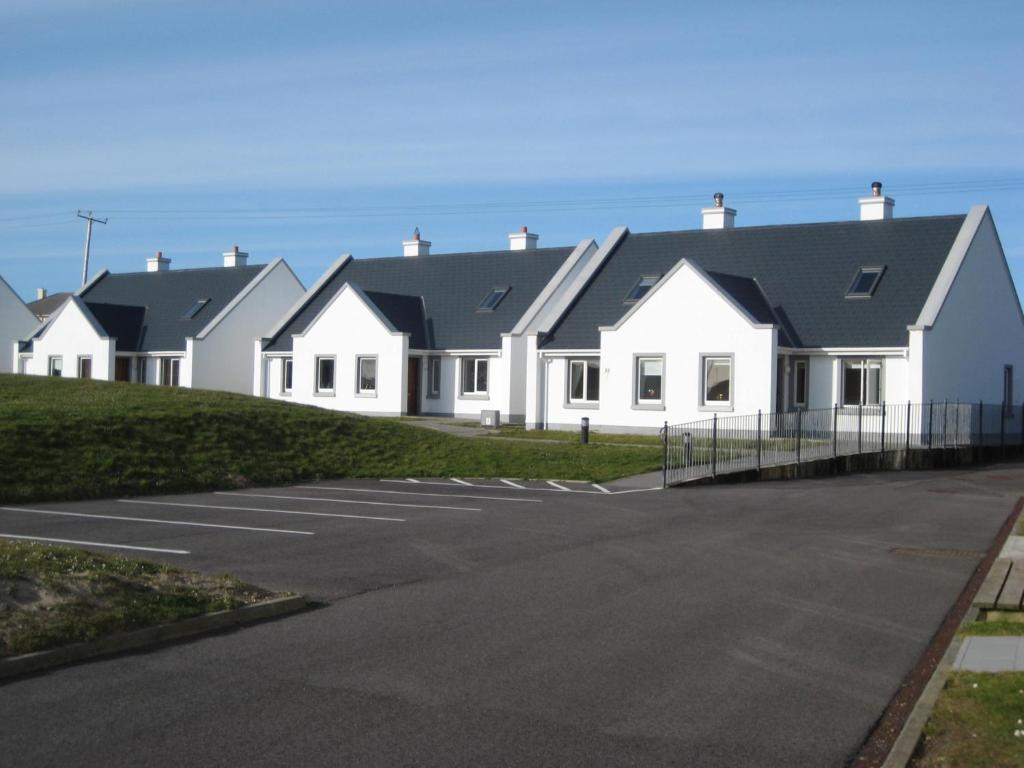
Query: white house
x=16, y=322
x=441, y=334
x=187, y=327
x=678, y=326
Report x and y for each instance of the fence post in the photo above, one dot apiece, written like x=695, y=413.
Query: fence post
x=906, y=451
x=1002, y=431
x=860, y=422
x=835, y=430
x=945, y=424
x=956, y=432
x=883, y=430
x=981, y=422
x=931, y=407
x=759, y=443
x=664, y=456
x=1022, y=424
x=799, y=430
x=714, y=446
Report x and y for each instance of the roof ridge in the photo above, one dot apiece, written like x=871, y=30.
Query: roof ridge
x=187, y=269
x=798, y=225
x=435, y=256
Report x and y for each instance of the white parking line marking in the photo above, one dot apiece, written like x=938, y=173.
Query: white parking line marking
x=347, y=501
x=559, y=487
x=461, y=482
x=514, y=485
x=95, y=544
x=602, y=489
x=417, y=493
x=447, y=485
x=154, y=520
x=411, y=480
x=262, y=509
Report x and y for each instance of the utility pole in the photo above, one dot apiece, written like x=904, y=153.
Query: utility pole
x=88, y=240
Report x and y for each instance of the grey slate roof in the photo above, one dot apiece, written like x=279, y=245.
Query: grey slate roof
x=450, y=285
x=43, y=308
x=144, y=309
x=406, y=313
x=804, y=271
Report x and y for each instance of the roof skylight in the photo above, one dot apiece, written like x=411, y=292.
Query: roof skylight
x=640, y=288
x=492, y=299
x=194, y=309
x=865, y=282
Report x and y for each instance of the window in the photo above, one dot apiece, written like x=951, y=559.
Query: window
x=865, y=282
x=800, y=383
x=433, y=377
x=862, y=382
x=717, y=380
x=474, y=376
x=492, y=299
x=1008, y=391
x=140, y=370
x=649, y=379
x=325, y=375
x=640, y=288
x=23, y=364
x=286, y=374
x=584, y=380
x=194, y=309
x=170, y=370
x=56, y=365
x=366, y=370
x=85, y=367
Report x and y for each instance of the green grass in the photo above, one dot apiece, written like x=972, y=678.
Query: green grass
x=55, y=596
x=974, y=721
x=996, y=628
x=72, y=439
x=604, y=438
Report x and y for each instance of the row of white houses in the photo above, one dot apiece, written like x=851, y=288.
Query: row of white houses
x=637, y=330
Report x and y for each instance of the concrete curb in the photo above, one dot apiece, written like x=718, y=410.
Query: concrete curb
x=25, y=664
x=907, y=741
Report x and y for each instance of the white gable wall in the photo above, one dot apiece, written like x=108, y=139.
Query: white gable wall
x=71, y=335
x=223, y=358
x=16, y=322
x=978, y=329
x=684, y=318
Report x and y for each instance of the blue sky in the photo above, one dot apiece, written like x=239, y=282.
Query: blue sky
x=306, y=130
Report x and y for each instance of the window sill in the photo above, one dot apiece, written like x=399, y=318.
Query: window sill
x=591, y=405
x=285, y=394
x=716, y=408
x=482, y=396
x=324, y=393
x=366, y=394
x=648, y=406
x=432, y=397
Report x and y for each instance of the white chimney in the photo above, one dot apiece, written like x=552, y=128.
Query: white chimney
x=40, y=294
x=523, y=240
x=719, y=217
x=235, y=258
x=157, y=263
x=877, y=206
x=416, y=247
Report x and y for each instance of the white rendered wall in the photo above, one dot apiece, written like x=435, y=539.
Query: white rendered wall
x=683, y=320
x=977, y=331
x=224, y=359
x=16, y=324
x=70, y=335
x=332, y=335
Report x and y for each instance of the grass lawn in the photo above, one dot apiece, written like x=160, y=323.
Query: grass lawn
x=73, y=439
x=56, y=596
x=974, y=722
x=1000, y=627
x=607, y=438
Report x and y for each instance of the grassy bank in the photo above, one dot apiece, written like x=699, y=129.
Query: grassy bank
x=71, y=439
x=56, y=596
x=978, y=722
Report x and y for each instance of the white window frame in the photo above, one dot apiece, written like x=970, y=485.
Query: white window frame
x=476, y=362
x=82, y=359
x=51, y=367
x=586, y=363
x=643, y=403
x=797, y=365
x=360, y=359
x=23, y=363
x=317, y=362
x=173, y=366
x=865, y=364
x=433, y=378
x=140, y=370
x=717, y=405
x=287, y=375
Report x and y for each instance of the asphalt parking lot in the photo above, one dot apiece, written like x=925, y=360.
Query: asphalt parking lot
x=490, y=624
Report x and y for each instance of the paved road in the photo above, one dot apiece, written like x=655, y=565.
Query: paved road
x=755, y=625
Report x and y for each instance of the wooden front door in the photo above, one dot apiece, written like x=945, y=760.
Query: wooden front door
x=122, y=369
x=412, y=399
